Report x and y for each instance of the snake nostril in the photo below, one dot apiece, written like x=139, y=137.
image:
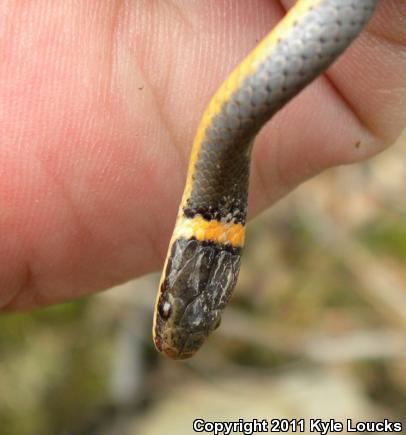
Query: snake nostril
x=165, y=309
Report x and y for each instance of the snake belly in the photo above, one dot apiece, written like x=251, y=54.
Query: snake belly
x=203, y=260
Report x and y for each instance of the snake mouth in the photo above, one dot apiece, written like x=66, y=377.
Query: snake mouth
x=172, y=352
x=179, y=344
x=177, y=355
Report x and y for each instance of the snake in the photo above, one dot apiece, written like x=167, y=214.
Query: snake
x=204, y=254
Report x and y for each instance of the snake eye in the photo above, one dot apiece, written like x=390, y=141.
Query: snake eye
x=165, y=309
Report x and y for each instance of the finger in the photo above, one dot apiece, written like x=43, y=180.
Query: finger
x=355, y=111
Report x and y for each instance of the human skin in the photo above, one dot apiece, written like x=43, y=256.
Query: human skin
x=99, y=101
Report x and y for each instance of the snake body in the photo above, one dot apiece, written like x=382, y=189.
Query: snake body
x=203, y=260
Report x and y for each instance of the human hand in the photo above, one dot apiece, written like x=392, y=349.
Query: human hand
x=99, y=105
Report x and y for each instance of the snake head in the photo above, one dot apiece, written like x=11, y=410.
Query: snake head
x=196, y=285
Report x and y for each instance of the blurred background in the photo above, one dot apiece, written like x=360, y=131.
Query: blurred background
x=316, y=328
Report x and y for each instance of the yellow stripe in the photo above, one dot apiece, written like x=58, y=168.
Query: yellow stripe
x=234, y=80
x=211, y=231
